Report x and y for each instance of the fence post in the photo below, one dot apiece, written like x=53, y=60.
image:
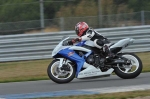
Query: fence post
x=99, y=14
x=42, y=15
x=61, y=24
x=142, y=18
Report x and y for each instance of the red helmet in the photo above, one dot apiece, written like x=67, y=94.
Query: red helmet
x=81, y=28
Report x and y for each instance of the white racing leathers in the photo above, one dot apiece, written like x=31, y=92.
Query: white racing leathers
x=95, y=39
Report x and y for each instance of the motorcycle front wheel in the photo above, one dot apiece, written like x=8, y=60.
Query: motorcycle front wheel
x=61, y=75
x=129, y=71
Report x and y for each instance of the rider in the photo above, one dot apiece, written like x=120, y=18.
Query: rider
x=86, y=33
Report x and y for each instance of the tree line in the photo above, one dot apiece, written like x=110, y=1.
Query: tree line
x=27, y=10
x=24, y=10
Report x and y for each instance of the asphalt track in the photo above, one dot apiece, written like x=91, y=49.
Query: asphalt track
x=77, y=84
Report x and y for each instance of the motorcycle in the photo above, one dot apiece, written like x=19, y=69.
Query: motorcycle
x=83, y=60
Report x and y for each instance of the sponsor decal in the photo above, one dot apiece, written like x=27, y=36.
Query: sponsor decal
x=70, y=54
x=89, y=73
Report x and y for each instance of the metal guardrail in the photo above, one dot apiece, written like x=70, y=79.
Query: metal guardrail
x=40, y=45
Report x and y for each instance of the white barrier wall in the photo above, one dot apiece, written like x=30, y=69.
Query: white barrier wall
x=40, y=45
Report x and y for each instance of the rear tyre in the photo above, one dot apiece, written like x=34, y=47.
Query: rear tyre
x=58, y=75
x=132, y=70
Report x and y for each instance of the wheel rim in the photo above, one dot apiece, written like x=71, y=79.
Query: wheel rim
x=132, y=67
x=60, y=74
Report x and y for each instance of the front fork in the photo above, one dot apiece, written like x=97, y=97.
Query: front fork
x=63, y=61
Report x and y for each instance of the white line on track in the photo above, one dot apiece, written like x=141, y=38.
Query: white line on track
x=77, y=92
x=119, y=89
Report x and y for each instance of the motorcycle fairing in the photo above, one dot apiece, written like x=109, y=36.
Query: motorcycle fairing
x=91, y=71
x=122, y=44
x=71, y=55
x=81, y=43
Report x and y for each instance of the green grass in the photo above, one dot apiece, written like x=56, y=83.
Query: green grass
x=37, y=69
x=24, y=70
x=145, y=57
x=120, y=95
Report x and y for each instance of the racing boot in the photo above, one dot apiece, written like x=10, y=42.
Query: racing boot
x=109, y=54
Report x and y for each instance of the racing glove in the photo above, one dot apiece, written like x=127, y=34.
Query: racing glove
x=71, y=42
x=76, y=40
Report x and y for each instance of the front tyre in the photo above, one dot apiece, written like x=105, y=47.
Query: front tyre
x=129, y=71
x=60, y=75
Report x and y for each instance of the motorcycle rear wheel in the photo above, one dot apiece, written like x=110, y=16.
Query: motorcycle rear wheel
x=127, y=72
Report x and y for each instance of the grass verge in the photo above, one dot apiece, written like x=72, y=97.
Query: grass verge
x=24, y=71
x=120, y=95
x=37, y=69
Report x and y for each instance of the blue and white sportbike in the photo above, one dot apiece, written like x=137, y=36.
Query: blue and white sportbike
x=83, y=60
